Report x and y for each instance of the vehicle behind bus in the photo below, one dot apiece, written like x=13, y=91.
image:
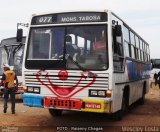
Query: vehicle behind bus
x=11, y=52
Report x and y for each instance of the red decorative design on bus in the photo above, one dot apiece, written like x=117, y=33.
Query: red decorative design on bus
x=63, y=75
x=64, y=91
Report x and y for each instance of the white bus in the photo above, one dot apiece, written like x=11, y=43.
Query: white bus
x=89, y=61
x=11, y=52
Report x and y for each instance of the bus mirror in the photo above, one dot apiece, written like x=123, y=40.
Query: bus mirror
x=118, y=30
x=19, y=35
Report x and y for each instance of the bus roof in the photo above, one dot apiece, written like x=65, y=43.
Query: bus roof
x=69, y=11
x=11, y=41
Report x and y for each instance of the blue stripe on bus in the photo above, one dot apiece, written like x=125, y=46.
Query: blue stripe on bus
x=33, y=100
x=137, y=70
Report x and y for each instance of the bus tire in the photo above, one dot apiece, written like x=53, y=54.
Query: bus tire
x=142, y=99
x=119, y=114
x=55, y=112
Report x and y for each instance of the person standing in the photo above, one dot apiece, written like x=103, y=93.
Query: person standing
x=158, y=79
x=10, y=88
x=155, y=78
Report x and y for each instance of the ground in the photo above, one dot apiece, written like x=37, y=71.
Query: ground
x=141, y=117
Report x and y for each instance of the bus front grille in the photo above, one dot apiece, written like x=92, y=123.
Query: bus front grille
x=101, y=81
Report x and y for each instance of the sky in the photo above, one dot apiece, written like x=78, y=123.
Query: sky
x=141, y=15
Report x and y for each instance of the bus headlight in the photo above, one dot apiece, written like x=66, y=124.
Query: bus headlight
x=97, y=93
x=31, y=89
x=36, y=90
x=100, y=93
x=108, y=93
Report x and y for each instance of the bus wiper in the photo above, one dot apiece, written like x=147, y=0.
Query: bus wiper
x=90, y=74
x=67, y=56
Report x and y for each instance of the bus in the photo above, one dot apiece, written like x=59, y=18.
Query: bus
x=11, y=52
x=89, y=61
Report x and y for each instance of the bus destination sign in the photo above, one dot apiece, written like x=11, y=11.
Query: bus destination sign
x=79, y=17
x=69, y=18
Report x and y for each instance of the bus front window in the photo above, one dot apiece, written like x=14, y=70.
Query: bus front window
x=87, y=45
x=46, y=43
x=39, y=44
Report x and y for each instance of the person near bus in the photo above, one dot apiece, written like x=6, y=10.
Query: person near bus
x=72, y=49
x=99, y=49
x=158, y=80
x=10, y=88
x=100, y=45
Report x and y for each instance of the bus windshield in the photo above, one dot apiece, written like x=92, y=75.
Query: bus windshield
x=87, y=45
x=16, y=59
x=13, y=55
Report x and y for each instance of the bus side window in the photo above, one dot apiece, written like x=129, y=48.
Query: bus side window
x=118, y=56
x=117, y=44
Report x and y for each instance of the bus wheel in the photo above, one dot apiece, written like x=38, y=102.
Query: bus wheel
x=55, y=112
x=142, y=99
x=119, y=114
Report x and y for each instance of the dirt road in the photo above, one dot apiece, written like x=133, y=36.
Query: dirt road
x=144, y=118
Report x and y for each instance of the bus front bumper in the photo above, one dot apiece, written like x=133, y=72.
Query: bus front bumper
x=86, y=105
